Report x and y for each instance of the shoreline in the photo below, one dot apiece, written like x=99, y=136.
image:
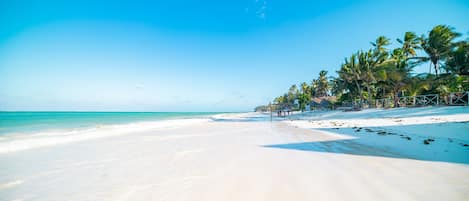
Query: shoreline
x=30, y=122
x=19, y=142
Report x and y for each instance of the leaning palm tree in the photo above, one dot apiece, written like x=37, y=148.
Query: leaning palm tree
x=410, y=44
x=438, y=45
x=380, y=44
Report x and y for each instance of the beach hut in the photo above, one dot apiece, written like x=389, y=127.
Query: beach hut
x=325, y=102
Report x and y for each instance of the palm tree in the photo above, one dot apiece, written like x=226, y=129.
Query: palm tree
x=303, y=100
x=395, y=73
x=350, y=72
x=387, y=73
x=338, y=86
x=313, y=87
x=305, y=89
x=458, y=60
x=322, y=84
x=410, y=44
x=415, y=86
x=438, y=45
x=292, y=94
x=380, y=44
x=395, y=78
x=304, y=96
x=369, y=63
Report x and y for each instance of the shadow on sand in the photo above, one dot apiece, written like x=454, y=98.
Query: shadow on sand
x=442, y=142
x=447, y=142
x=353, y=147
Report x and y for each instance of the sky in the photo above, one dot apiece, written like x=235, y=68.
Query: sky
x=189, y=55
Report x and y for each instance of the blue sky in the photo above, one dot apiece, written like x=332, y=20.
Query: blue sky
x=189, y=55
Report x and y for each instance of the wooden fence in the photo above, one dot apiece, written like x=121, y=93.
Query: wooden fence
x=455, y=98
x=459, y=98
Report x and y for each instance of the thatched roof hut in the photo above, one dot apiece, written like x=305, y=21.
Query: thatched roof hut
x=323, y=102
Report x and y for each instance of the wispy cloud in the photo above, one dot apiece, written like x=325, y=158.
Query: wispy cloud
x=139, y=86
x=261, y=8
x=258, y=7
x=233, y=97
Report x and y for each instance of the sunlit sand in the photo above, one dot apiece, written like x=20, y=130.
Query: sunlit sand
x=232, y=158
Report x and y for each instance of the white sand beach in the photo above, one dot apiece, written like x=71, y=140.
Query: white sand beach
x=317, y=156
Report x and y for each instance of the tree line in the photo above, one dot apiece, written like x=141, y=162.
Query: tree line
x=383, y=73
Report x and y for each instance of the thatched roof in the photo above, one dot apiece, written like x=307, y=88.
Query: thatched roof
x=323, y=101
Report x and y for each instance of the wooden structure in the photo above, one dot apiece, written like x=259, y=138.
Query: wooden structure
x=455, y=98
x=459, y=98
x=420, y=100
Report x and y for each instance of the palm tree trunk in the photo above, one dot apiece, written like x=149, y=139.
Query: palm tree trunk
x=396, y=97
x=359, y=91
x=369, y=94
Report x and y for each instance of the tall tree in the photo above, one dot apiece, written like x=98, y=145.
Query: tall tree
x=314, y=87
x=292, y=94
x=370, y=62
x=458, y=59
x=416, y=85
x=410, y=44
x=385, y=73
x=380, y=51
x=322, y=84
x=395, y=73
x=305, y=88
x=438, y=45
x=304, y=96
x=350, y=72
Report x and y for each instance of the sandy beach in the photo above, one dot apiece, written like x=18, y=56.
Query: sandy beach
x=232, y=158
x=253, y=100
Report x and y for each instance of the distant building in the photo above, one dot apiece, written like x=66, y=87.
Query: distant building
x=325, y=102
x=296, y=102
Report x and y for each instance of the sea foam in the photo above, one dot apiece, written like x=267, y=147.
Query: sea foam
x=15, y=143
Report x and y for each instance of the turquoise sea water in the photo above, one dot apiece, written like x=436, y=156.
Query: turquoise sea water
x=30, y=122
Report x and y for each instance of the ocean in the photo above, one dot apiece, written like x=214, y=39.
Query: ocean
x=33, y=122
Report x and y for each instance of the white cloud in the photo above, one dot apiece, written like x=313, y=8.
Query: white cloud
x=139, y=86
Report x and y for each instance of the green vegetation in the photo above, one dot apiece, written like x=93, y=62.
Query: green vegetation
x=381, y=73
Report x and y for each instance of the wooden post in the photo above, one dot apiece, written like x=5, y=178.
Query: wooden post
x=270, y=108
x=451, y=98
x=467, y=94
